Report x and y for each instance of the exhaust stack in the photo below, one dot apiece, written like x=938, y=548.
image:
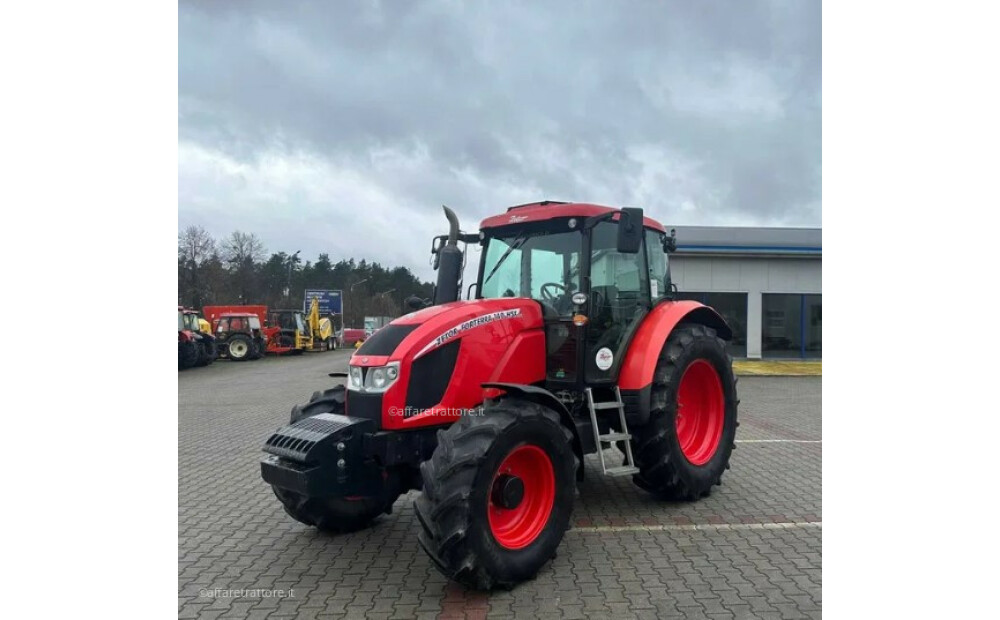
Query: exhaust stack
x=449, y=262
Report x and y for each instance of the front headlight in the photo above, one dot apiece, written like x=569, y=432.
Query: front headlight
x=377, y=379
x=356, y=378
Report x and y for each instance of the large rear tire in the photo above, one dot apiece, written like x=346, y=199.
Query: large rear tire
x=335, y=514
x=685, y=447
x=497, y=494
x=241, y=348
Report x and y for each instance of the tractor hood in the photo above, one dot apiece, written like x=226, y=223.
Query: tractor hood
x=429, y=366
x=493, y=323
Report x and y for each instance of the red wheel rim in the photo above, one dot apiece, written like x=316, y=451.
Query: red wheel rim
x=701, y=411
x=518, y=527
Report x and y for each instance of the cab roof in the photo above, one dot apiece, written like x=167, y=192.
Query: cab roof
x=551, y=209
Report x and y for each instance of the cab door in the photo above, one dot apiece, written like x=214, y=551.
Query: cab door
x=618, y=300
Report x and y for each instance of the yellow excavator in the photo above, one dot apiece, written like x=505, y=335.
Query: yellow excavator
x=321, y=336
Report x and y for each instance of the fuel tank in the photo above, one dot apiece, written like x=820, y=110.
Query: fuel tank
x=428, y=367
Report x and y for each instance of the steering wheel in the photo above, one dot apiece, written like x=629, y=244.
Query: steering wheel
x=548, y=295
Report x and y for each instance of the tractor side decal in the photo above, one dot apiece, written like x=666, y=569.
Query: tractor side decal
x=478, y=321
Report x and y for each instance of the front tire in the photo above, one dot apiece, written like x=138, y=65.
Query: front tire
x=335, y=514
x=498, y=494
x=202, y=359
x=187, y=355
x=685, y=447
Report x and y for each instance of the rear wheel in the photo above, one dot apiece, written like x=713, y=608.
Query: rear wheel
x=241, y=348
x=335, y=514
x=685, y=447
x=498, y=494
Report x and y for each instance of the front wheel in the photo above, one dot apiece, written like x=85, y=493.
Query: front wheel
x=498, y=494
x=684, y=448
x=335, y=514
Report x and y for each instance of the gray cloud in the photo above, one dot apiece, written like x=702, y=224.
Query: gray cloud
x=342, y=127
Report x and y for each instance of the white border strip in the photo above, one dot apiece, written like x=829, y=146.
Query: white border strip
x=779, y=441
x=696, y=527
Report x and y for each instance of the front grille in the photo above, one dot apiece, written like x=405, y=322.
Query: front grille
x=429, y=378
x=367, y=406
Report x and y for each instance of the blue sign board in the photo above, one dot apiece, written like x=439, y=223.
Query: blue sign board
x=330, y=302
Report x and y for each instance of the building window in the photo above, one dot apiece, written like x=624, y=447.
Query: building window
x=733, y=308
x=793, y=326
x=814, y=325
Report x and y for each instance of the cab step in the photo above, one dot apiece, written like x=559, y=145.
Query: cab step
x=629, y=467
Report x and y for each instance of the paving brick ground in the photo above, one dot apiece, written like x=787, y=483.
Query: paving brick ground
x=751, y=550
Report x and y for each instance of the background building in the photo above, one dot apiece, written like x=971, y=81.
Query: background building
x=766, y=282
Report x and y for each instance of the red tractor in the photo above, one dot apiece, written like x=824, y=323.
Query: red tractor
x=195, y=346
x=571, y=344
x=283, y=330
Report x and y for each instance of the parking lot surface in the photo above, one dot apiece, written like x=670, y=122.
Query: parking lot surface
x=750, y=550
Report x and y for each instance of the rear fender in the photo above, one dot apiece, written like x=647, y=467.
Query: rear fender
x=583, y=434
x=636, y=376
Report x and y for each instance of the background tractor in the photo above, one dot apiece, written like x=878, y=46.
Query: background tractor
x=570, y=344
x=240, y=336
x=194, y=342
x=284, y=330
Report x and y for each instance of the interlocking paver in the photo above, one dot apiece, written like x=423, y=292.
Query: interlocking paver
x=233, y=534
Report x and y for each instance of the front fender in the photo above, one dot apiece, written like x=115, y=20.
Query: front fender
x=582, y=430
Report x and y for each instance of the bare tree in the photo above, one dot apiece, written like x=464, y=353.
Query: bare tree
x=243, y=252
x=194, y=247
x=241, y=249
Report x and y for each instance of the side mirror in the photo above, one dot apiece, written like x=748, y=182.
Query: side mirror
x=670, y=243
x=415, y=303
x=629, y=230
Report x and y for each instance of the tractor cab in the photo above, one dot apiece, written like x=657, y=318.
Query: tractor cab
x=595, y=275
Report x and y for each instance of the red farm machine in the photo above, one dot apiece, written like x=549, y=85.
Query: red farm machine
x=284, y=331
x=572, y=343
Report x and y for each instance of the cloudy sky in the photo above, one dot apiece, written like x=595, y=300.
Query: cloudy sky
x=341, y=127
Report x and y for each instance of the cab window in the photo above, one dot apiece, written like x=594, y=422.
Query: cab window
x=656, y=258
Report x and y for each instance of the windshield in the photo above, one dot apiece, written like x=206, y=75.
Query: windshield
x=254, y=322
x=542, y=266
x=180, y=321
